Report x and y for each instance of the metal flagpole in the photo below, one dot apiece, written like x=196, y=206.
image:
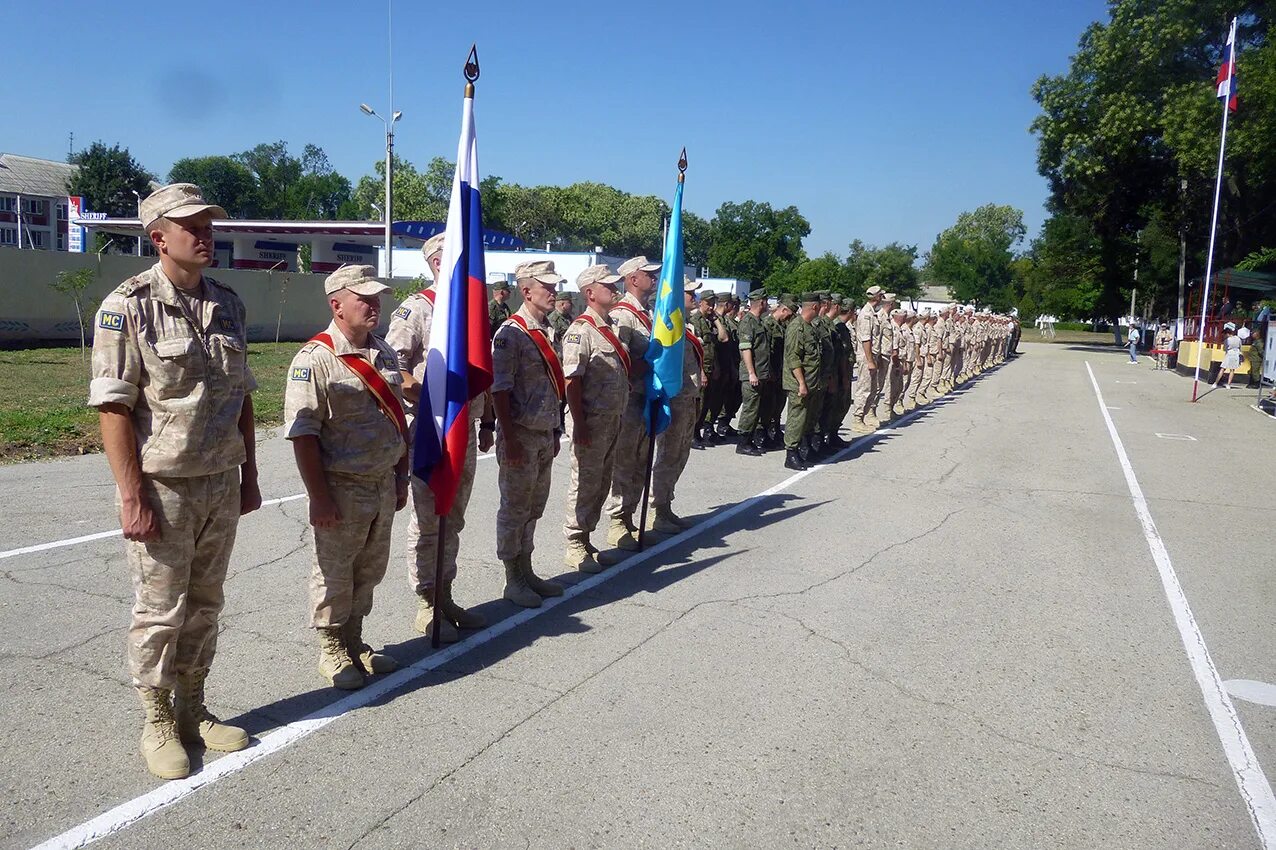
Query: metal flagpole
x=17, y=211
x=1218, y=189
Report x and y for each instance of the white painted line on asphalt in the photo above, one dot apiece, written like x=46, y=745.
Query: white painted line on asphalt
x=102, y=535
x=129, y=813
x=1259, y=693
x=1110, y=407
x=1187, y=437
x=1256, y=791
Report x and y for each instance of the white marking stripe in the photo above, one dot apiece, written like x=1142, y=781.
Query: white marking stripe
x=102, y=535
x=126, y=814
x=1256, y=791
x=1188, y=437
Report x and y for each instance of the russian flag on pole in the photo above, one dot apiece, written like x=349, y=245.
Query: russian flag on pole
x=1226, y=80
x=458, y=366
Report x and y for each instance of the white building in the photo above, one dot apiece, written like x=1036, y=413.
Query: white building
x=500, y=265
x=33, y=202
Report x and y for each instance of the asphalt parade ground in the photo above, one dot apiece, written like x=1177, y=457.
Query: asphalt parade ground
x=1038, y=613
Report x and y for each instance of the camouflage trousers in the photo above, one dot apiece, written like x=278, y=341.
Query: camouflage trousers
x=914, y=378
x=592, y=467
x=177, y=579
x=423, y=527
x=772, y=403
x=673, y=447
x=352, y=556
x=631, y=460
x=803, y=416
x=524, y=489
x=831, y=410
x=865, y=390
x=953, y=366
x=750, y=406
x=889, y=392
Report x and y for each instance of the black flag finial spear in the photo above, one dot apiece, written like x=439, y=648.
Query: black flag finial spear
x=471, y=70
x=682, y=165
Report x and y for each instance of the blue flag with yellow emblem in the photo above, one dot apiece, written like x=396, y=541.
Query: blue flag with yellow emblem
x=668, y=320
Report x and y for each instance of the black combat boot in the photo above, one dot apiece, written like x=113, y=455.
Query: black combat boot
x=744, y=446
x=793, y=460
x=697, y=441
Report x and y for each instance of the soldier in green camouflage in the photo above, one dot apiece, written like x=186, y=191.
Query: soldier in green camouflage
x=559, y=320
x=755, y=372
x=802, y=349
x=498, y=311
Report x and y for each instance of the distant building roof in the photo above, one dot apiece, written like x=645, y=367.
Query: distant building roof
x=931, y=292
x=30, y=176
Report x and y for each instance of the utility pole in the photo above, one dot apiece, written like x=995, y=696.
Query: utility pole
x=1178, y=325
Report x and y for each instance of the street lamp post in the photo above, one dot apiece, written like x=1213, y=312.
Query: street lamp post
x=389, y=181
x=139, y=213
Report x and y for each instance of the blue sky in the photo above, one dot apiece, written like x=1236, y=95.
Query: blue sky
x=880, y=121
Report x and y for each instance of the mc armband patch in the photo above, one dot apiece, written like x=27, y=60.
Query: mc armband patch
x=402, y=312
x=110, y=321
x=499, y=342
x=300, y=373
x=572, y=338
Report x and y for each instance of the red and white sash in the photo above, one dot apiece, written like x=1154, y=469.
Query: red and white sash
x=629, y=308
x=550, y=359
x=609, y=335
x=366, y=372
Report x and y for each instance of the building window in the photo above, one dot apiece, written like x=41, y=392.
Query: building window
x=32, y=206
x=7, y=202
x=35, y=238
x=61, y=212
x=61, y=241
x=8, y=236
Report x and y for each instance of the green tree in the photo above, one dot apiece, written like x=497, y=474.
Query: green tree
x=224, y=180
x=107, y=179
x=752, y=241
x=73, y=284
x=1135, y=114
x=974, y=258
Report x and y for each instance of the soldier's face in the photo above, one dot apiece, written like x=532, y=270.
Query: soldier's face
x=539, y=295
x=808, y=311
x=641, y=282
x=500, y=295
x=602, y=298
x=362, y=312
x=564, y=307
x=188, y=241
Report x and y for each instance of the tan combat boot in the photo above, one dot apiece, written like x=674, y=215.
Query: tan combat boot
x=578, y=556
x=424, y=622
x=516, y=589
x=195, y=723
x=460, y=617
x=664, y=521
x=161, y=747
x=362, y=654
x=859, y=426
x=621, y=534
x=539, y=586
x=335, y=664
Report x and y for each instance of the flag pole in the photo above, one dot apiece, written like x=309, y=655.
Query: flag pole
x=1218, y=189
x=471, y=73
x=655, y=403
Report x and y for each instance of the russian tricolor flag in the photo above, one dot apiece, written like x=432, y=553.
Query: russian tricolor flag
x=1226, y=80
x=458, y=366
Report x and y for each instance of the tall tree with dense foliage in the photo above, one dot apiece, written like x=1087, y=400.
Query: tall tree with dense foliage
x=974, y=258
x=225, y=181
x=1135, y=115
x=753, y=241
x=107, y=179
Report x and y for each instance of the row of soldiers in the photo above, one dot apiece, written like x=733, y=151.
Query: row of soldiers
x=173, y=388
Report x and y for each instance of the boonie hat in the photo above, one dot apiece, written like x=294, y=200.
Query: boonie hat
x=637, y=264
x=433, y=245
x=600, y=273
x=361, y=280
x=541, y=271
x=176, y=200
x=873, y=291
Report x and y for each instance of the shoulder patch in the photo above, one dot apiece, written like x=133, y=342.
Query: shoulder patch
x=402, y=313
x=110, y=321
x=499, y=342
x=299, y=373
x=573, y=337
x=227, y=325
